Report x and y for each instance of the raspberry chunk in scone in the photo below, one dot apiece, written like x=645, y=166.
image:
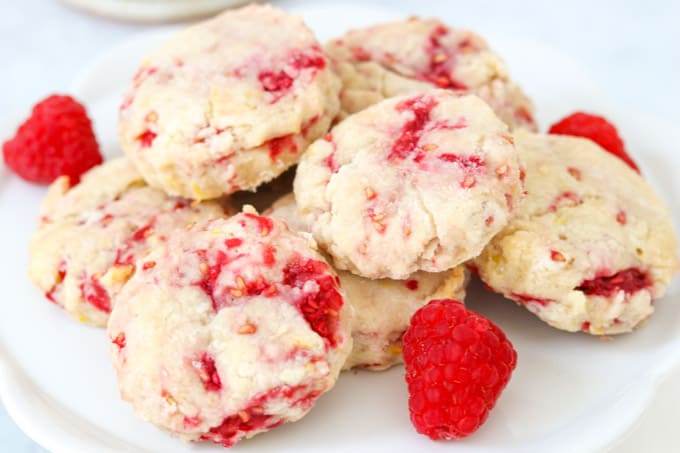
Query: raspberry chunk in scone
x=592, y=245
x=415, y=55
x=238, y=327
x=228, y=104
x=413, y=183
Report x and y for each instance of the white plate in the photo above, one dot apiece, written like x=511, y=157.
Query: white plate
x=152, y=10
x=570, y=392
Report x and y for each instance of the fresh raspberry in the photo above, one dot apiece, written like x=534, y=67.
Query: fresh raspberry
x=457, y=365
x=596, y=128
x=57, y=139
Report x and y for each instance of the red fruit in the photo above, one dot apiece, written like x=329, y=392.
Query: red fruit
x=457, y=364
x=629, y=281
x=57, y=139
x=596, y=128
x=320, y=309
x=207, y=371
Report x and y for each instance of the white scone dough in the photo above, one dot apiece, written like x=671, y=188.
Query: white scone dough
x=592, y=245
x=417, y=182
x=89, y=236
x=413, y=55
x=228, y=104
x=231, y=328
x=382, y=308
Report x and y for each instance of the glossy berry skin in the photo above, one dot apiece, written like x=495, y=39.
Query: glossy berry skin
x=57, y=139
x=457, y=364
x=597, y=129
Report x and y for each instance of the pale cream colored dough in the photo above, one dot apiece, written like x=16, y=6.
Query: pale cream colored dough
x=592, y=245
x=416, y=182
x=232, y=327
x=228, y=104
x=90, y=236
x=416, y=54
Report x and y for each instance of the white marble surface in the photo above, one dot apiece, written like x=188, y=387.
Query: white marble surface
x=631, y=47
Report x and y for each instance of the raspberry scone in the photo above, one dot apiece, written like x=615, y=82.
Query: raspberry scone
x=417, y=182
x=228, y=104
x=417, y=54
x=90, y=235
x=382, y=308
x=592, y=245
x=231, y=328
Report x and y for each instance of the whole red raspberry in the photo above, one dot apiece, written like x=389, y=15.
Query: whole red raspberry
x=457, y=364
x=596, y=128
x=57, y=139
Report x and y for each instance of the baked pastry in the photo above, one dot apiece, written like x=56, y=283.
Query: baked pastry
x=591, y=246
x=90, y=236
x=416, y=182
x=228, y=104
x=414, y=55
x=231, y=328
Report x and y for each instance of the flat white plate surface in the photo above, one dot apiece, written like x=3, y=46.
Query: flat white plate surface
x=570, y=392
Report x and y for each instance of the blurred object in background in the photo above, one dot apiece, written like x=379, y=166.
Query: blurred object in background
x=153, y=11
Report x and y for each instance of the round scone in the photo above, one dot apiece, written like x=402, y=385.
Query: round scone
x=382, y=308
x=232, y=327
x=90, y=235
x=591, y=246
x=417, y=182
x=416, y=54
x=228, y=104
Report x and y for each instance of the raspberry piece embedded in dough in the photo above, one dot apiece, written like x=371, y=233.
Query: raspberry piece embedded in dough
x=205, y=367
x=629, y=281
x=95, y=294
x=317, y=306
x=413, y=129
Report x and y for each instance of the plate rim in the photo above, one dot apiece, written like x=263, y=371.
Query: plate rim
x=152, y=12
